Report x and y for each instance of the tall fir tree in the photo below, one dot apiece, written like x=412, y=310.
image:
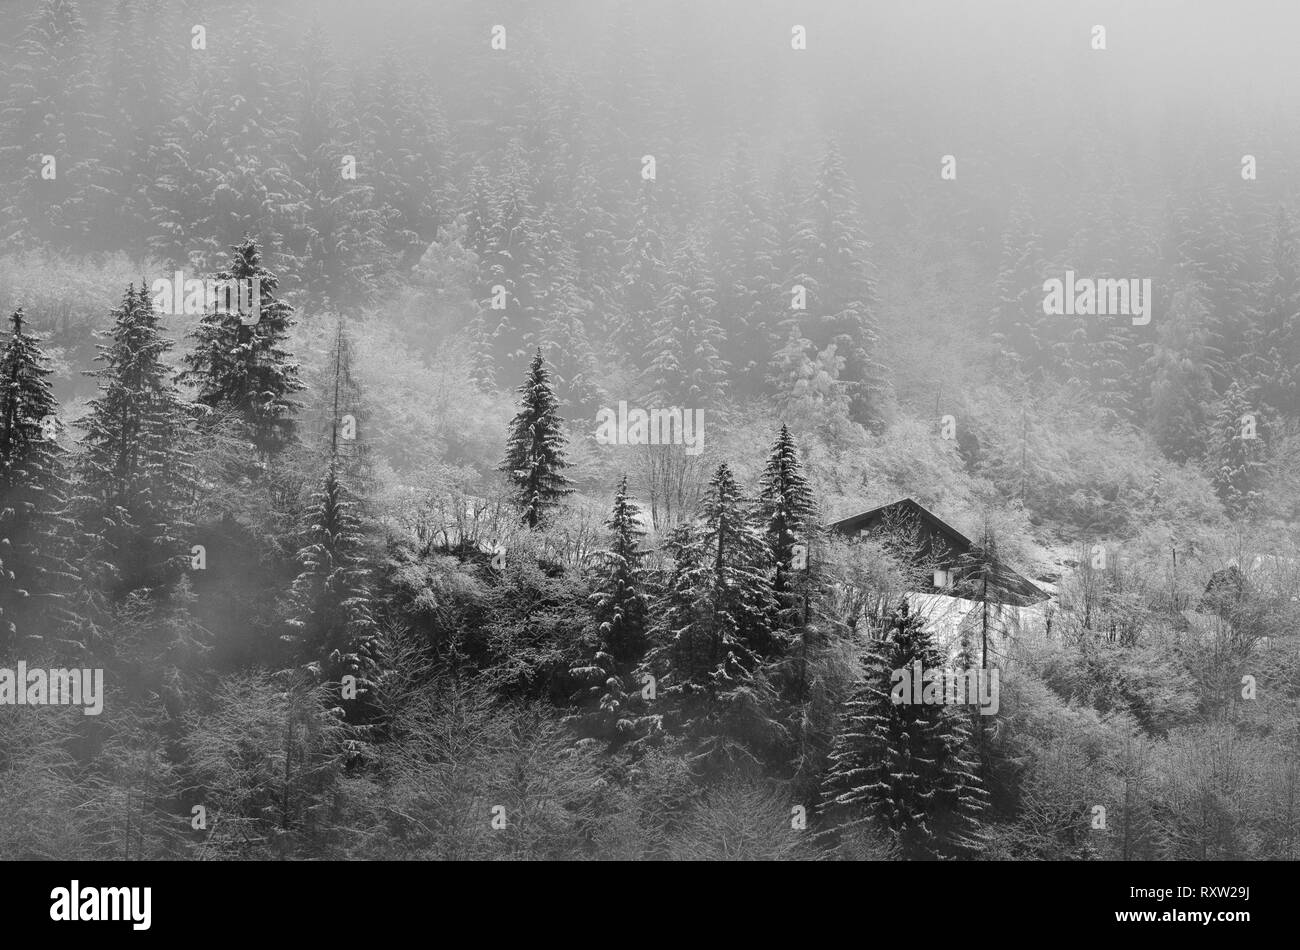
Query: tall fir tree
x=686, y=367
x=1182, y=389
x=830, y=260
x=225, y=170
x=335, y=234
x=715, y=619
x=980, y=574
x=786, y=506
x=1236, y=447
x=404, y=135
x=1017, y=319
x=244, y=368
x=787, y=219
x=1103, y=354
x=641, y=278
x=904, y=766
x=743, y=248
x=477, y=211
x=1273, y=358
x=1209, y=245
x=563, y=328
x=620, y=613
x=564, y=334
x=482, y=361
x=33, y=493
x=54, y=138
x=135, y=478
x=593, y=222
x=331, y=623
x=343, y=417
x=476, y=207
x=513, y=239
x=535, y=450
x=141, y=98
x=332, y=626
x=807, y=383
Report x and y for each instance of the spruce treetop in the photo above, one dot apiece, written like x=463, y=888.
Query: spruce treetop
x=535, y=456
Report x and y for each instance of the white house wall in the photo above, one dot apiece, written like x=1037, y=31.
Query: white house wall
x=944, y=616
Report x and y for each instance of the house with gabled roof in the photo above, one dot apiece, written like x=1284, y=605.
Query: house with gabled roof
x=955, y=581
x=948, y=554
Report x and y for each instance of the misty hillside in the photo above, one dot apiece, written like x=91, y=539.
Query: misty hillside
x=368, y=574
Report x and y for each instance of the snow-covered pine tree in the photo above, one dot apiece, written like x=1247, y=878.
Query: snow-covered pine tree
x=535, y=456
x=134, y=475
x=686, y=367
x=552, y=113
x=619, y=602
x=448, y=270
x=786, y=506
x=593, y=223
x=404, y=135
x=641, y=279
x=740, y=585
x=141, y=97
x=335, y=231
x=787, y=193
x=564, y=315
x=342, y=396
x=476, y=206
x=564, y=334
x=1100, y=354
x=331, y=623
x=477, y=211
x=620, y=613
x=981, y=573
x=33, y=493
x=807, y=383
x=332, y=627
x=225, y=168
x=1235, y=451
x=51, y=110
x=1181, y=386
x=743, y=249
x=830, y=261
x=788, y=515
x=697, y=655
x=904, y=766
x=1103, y=354
x=482, y=361
x=1017, y=316
x=244, y=368
x=1273, y=360
x=715, y=618
x=1209, y=244
x=512, y=257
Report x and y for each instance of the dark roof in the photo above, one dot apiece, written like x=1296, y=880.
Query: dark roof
x=911, y=505
x=1012, y=588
